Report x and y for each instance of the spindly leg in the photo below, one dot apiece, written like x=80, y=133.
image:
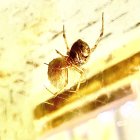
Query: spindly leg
x=65, y=39
x=49, y=91
x=54, y=94
x=59, y=53
x=81, y=75
x=100, y=36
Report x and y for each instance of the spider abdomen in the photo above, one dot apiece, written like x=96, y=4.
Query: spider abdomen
x=57, y=72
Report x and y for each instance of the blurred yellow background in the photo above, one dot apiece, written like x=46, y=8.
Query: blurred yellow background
x=30, y=31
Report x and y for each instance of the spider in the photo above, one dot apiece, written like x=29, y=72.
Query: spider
x=76, y=56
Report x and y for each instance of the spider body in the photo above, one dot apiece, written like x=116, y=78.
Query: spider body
x=76, y=56
x=58, y=68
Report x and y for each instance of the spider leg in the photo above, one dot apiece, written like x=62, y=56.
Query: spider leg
x=65, y=39
x=54, y=94
x=100, y=36
x=49, y=90
x=59, y=53
x=46, y=64
x=81, y=73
